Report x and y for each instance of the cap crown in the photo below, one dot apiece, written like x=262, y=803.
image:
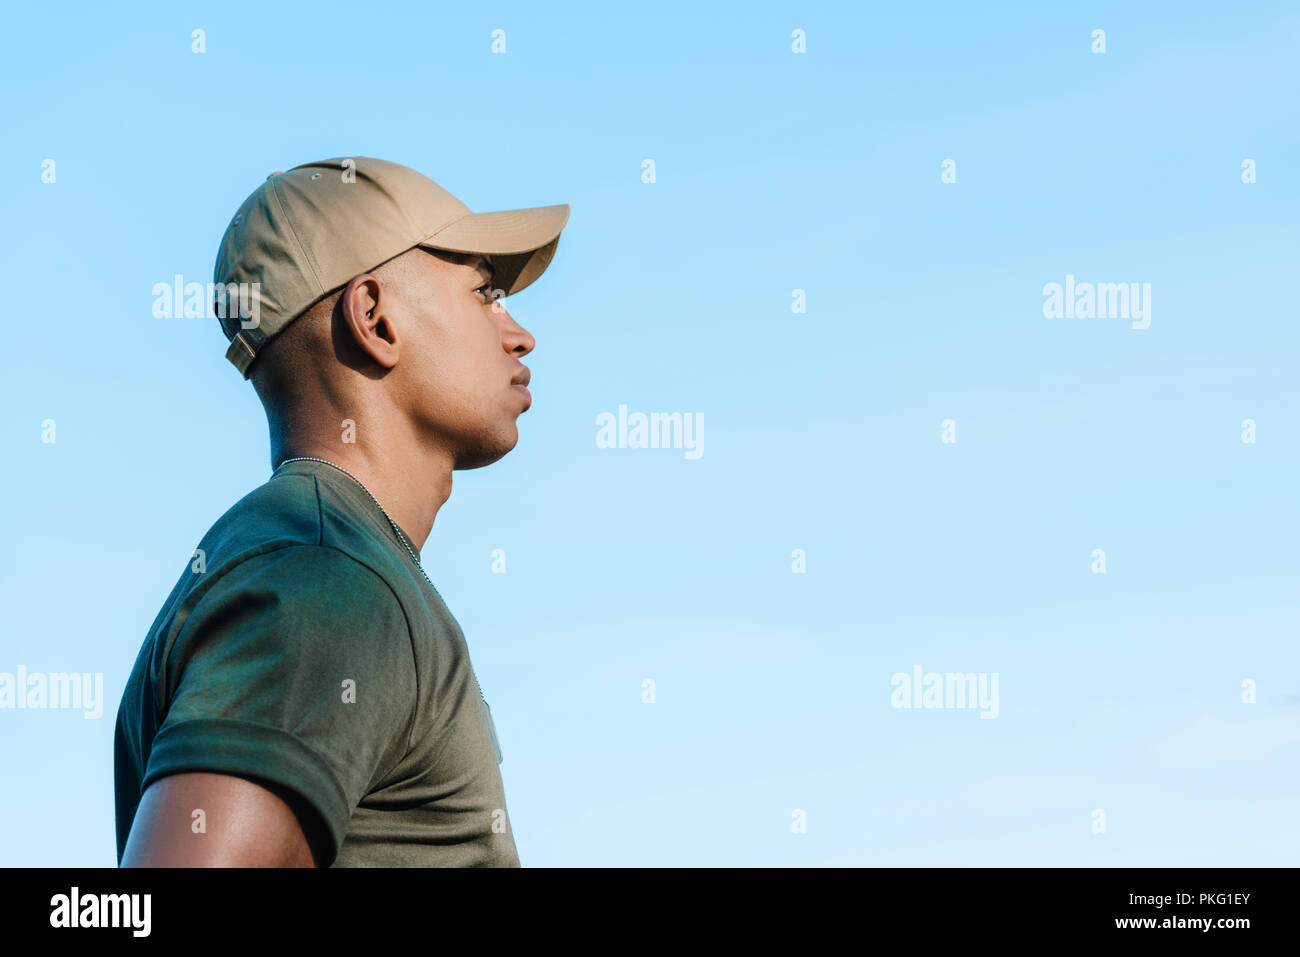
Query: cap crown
x=306, y=232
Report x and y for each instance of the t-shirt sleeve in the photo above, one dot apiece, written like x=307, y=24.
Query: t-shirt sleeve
x=295, y=668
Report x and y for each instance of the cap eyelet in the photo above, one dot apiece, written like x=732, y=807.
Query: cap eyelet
x=315, y=175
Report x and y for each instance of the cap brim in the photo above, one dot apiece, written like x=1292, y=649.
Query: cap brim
x=520, y=242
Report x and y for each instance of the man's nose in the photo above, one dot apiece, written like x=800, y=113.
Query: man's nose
x=515, y=339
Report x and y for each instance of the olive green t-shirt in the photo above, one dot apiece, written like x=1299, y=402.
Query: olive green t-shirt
x=303, y=649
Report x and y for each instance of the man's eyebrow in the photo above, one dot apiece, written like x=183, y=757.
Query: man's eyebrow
x=484, y=265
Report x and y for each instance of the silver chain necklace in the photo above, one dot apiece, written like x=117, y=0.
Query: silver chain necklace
x=401, y=536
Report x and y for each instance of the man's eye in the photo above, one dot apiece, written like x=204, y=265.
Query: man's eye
x=486, y=289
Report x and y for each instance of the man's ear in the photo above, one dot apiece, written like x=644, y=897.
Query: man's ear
x=367, y=307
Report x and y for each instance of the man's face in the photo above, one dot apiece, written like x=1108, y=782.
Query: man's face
x=461, y=359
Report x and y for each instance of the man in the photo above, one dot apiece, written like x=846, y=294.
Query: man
x=305, y=698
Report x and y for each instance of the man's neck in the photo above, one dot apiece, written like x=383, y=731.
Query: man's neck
x=411, y=482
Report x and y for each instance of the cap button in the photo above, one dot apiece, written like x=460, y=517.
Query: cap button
x=276, y=173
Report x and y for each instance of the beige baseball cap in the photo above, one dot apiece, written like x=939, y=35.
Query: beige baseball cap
x=307, y=232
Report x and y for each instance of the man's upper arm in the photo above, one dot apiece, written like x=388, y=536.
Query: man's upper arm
x=217, y=820
x=290, y=687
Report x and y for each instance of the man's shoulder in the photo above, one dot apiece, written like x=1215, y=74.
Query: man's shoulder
x=271, y=581
x=276, y=514
x=292, y=518
x=292, y=544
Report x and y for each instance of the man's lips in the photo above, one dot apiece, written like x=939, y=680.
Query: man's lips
x=520, y=382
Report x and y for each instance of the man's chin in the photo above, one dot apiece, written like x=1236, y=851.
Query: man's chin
x=487, y=453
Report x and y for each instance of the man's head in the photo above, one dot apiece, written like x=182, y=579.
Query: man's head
x=419, y=342
x=374, y=295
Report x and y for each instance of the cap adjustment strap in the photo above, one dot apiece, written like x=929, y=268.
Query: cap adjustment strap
x=243, y=348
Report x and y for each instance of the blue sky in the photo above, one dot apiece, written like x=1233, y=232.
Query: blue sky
x=1118, y=692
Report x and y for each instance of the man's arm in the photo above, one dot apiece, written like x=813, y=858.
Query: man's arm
x=289, y=690
x=245, y=825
